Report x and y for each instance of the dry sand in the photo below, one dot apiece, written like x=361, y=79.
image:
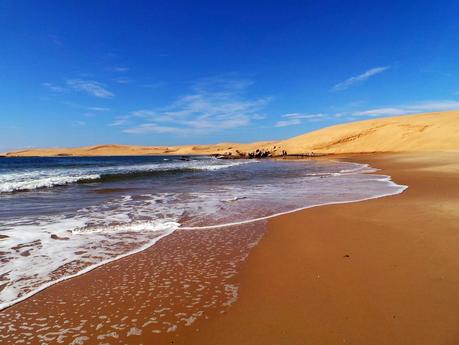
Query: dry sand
x=409, y=133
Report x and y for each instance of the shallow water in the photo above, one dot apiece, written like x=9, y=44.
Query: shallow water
x=60, y=217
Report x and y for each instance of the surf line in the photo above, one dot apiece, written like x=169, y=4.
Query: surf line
x=386, y=178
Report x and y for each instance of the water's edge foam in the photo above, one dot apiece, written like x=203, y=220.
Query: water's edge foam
x=83, y=271
x=384, y=178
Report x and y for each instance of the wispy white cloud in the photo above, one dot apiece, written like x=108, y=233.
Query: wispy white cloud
x=287, y=123
x=435, y=106
x=214, y=104
x=122, y=80
x=98, y=109
x=85, y=107
x=420, y=107
x=154, y=128
x=118, y=122
x=381, y=112
x=93, y=111
x=143, y=113
x=88, y=111
x=53, y=87
x=359, y=78
x=90, y=87
x=305, y=116
x=221, y=85
x=120, y=69
x=293, y=119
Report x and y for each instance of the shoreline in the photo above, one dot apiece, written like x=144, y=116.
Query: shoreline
x=386, y=178
x=255, y=309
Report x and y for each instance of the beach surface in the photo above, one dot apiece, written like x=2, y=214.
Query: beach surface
x=383, y=271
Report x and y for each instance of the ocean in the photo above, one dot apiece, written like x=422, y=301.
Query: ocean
x=64, y=216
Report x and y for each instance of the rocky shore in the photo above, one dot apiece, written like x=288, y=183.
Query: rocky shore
x=258, y=154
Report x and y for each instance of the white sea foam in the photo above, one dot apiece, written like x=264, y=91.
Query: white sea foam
x=136, y=226
x=75, y=252
x=397, y=190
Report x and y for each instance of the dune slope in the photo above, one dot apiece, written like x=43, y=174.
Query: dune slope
x=425, y=132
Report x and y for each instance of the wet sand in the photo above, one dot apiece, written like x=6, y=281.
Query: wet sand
x=383, y=271
x=156, y=296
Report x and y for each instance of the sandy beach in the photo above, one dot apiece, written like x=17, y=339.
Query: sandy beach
x=383, y=271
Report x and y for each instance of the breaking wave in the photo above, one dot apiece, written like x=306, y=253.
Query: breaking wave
x=46, y=178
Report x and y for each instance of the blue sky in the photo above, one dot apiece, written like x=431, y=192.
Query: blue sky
x=178, y=72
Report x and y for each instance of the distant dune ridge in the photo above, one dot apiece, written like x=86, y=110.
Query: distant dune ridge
x=408, y=133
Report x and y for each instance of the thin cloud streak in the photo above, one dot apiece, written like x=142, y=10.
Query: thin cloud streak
x=381, y=112
x=90, y=87
x=98, y=109
x=305, y=116
x=344, y=85
x=421, y=107
x=54, y=88
x=155, y=129
x=118, y=122
x=287, y=123
x=122, y=80
x=294, y=119
x=120, y=69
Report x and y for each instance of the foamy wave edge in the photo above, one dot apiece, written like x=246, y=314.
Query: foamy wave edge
x=47, y=182
x=384, y=178
x=54, y=181
x=86, y=270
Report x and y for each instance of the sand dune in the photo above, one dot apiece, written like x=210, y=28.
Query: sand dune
x=425, y=132
x=409, y=133
x=134, y=150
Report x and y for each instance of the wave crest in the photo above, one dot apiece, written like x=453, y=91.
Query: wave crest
x=47, y=178
x=44, y=182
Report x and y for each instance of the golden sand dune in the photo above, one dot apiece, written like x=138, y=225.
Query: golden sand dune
x=425, y=132
x=409, y=133
x=135, y=150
